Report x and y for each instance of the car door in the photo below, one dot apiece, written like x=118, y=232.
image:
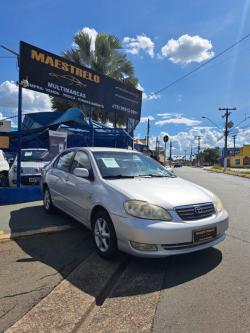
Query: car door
x=57, y=177
x=81, y=189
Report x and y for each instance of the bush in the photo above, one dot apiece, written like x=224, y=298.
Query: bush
x=217, y=166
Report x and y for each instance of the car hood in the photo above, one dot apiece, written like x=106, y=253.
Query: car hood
x=164, y=192
x=32, y=164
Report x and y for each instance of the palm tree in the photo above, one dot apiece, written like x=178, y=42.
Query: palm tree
x=105, y=58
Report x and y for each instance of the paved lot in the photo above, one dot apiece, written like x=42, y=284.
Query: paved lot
x=30, y=218
x=201, y=292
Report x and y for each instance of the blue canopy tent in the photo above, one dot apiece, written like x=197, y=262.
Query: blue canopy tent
x=81, y=132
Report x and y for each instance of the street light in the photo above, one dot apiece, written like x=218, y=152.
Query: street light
x=211, y=121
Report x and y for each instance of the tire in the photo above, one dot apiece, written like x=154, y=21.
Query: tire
x=4, y=181
x=47, y=202
x=104, y=235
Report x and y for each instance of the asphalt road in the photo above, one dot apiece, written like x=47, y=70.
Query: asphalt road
x=207, y=291
x=210, y=291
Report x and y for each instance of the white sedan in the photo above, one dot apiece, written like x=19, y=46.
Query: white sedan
x=132, y=203
x=32, y=162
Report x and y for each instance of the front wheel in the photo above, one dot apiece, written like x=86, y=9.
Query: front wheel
x=47, y=202
x=4, y=182
x=104, y=235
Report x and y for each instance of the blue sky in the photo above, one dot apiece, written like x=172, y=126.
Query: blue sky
x=165, y=40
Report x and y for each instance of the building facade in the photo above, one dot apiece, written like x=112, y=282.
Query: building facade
x=242, y=159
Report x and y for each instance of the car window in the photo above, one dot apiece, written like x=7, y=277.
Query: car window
x=64, y=161
x=81, y=160
x=123, y=164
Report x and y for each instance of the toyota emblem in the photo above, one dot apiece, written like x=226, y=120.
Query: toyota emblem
x=197, y=210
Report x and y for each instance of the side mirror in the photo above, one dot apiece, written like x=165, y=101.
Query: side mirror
x=81, y=172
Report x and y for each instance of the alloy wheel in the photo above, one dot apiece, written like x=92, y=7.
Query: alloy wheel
x=46, y=200
x=102, y=235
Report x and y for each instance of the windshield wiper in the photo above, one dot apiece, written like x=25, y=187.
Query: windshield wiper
x=117, y=177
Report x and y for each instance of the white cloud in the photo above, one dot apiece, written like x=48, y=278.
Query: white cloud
x=187, y=49
x=169, y=115
x=179, y=98
x=145, y=119
x=179, y=121
x=32, y=101
x=210, y=137
x=92, y=34
x=140, y=42
x=149, y=96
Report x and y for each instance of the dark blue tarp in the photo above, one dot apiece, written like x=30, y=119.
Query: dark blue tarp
x=36, y=126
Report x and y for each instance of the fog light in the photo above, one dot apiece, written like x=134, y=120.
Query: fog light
x=143, y=246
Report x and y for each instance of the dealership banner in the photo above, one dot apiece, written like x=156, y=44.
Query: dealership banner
x=50, y=74
x=57, y=143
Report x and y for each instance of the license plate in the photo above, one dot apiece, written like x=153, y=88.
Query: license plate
x=33, y=180
x=204, y=235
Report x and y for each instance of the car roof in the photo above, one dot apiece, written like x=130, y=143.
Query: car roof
x=106, y=149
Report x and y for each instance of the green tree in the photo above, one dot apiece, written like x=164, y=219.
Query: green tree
x=106, y=58
x=210, y=155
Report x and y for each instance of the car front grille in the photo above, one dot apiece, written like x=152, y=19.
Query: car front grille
x=195, y=212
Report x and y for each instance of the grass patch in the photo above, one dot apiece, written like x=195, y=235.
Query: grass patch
x=219, y=169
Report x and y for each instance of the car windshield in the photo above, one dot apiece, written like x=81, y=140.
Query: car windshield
x=128, y=165
x=34, y=155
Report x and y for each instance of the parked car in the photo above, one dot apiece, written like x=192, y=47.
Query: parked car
x=177, y=165
x=132, y=203
x=10, y=157
x=4, y=169
x=32, y=162
x=169, y=168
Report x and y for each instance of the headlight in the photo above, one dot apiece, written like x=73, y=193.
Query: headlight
x=15, y=169
x=218, y=204
x=145, y=210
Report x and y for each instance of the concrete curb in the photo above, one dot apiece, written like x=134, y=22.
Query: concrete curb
x=19, y=234
x=72, y=300
x=229, y=174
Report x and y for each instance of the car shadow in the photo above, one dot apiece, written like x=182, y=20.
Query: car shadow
x=64, y=251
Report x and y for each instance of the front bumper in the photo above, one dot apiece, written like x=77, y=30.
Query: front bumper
x=26, y=180
x=170, y=238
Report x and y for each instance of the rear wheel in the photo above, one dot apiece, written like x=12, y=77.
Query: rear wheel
x=47, y=202
x=104, y=235
x=4, y=182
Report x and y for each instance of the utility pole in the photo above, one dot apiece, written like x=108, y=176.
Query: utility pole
x=170, y=151
x=226, y=116
x=234, y=138
x=191, y=153
x=198, y=150
x=157, y=146
x=148, y=127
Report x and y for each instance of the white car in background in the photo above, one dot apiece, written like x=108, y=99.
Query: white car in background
x=32, y=162
x=169, y=168
x=4, y=169
x=132, y=203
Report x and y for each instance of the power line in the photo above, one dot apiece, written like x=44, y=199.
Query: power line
x=202, y=65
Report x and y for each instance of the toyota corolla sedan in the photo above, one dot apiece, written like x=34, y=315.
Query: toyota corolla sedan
x=132, y=203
